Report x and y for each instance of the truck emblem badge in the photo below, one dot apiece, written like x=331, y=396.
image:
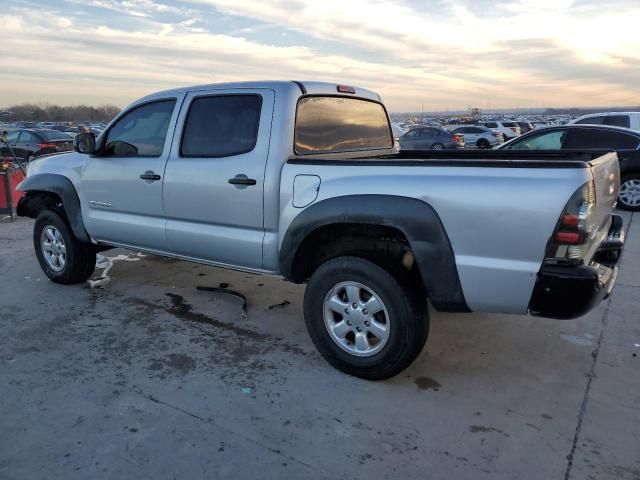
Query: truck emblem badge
x=100, y=204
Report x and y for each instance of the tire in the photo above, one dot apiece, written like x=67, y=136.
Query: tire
x=437, y=146
x=78, y=259
x=483, y=143
x=403, y=310
x=629, y=195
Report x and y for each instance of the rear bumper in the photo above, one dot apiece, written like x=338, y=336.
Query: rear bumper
x=570, y=291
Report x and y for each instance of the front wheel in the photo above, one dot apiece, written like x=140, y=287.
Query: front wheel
x=62, y=257
x=629, y=194
x=363, y=320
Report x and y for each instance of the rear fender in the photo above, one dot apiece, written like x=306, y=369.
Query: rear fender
x=417, y=220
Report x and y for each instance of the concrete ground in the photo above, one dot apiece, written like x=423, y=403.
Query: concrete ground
x=143, y=374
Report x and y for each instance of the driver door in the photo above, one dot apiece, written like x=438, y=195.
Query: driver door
x=121, y=188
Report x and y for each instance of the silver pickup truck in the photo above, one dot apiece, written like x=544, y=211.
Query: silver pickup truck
x=301, y=180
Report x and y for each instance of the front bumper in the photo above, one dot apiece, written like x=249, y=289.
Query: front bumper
x=570, y=291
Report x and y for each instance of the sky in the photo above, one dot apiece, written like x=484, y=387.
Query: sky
x=431, y=54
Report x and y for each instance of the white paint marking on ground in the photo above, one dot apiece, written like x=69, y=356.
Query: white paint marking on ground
x=577, y=340
x=106, y=263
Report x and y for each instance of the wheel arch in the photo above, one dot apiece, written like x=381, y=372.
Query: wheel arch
x=42, y=190
x=416, y=220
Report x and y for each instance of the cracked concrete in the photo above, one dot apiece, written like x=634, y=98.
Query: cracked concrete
x=157, y=373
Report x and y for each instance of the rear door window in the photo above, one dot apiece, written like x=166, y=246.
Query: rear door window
x=221, y=126
x=491, y=125
x=617, y=121
x=590, y=121
x=340, y=124
x=27, y=137
x=597, y=139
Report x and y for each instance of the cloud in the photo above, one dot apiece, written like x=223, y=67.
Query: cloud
x=452, y=54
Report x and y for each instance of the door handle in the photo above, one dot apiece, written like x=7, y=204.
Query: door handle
x=149, y=176
x=242, y=179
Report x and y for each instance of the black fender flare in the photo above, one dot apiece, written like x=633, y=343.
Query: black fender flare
x=63, y=188
x=416, y=219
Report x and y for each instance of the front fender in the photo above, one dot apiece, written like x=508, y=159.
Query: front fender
x=61, y=186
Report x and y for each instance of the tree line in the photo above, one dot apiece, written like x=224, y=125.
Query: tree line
x=45, y=112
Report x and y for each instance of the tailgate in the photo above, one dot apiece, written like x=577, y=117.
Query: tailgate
x=606, y=177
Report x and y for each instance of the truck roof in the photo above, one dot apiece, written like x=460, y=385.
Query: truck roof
x=303, y=87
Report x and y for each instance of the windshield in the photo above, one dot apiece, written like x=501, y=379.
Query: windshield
x=339, y=124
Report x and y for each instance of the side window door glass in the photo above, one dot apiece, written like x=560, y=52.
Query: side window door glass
x=541, y=141
x=221, y=126
x=590, y=121
x=583, y=138
x=12, y=138
x=617, y=121
x=141, y=132
x=26, y=138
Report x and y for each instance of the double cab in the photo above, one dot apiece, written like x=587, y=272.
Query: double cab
x=301, y=180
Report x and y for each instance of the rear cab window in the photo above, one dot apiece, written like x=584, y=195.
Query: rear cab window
x=334, y=124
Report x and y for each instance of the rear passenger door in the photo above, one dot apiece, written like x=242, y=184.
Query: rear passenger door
x=214, y=179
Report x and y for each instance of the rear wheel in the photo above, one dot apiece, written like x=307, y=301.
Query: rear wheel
x=363, y=320
x=437, y=146
x=629, y=195
x=483, y=143
x=62, y=257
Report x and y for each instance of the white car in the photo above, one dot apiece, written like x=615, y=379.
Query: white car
x=616, y=119
x=479, y=136
x=508, y=129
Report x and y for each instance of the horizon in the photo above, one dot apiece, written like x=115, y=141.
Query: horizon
x=448, y=55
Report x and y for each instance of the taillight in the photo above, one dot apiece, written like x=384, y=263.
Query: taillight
x=457, y=138
x=513, y=129
x=576, y=225
x=47, y=145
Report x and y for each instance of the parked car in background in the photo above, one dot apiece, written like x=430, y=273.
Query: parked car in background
x=525, y=127
x=73, y=131
x=508, y=129
x=478, y=136
x=616, y=119
x=30, y=143
x=603, y=138
x=430, y=138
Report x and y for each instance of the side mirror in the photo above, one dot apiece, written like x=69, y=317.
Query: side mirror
x=84, y=143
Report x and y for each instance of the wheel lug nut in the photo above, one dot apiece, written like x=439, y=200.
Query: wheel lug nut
x=365, y=311
x=346, y=310
x=355, y=305
x=367, y=323
x=358, y=329
x=349, y=322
